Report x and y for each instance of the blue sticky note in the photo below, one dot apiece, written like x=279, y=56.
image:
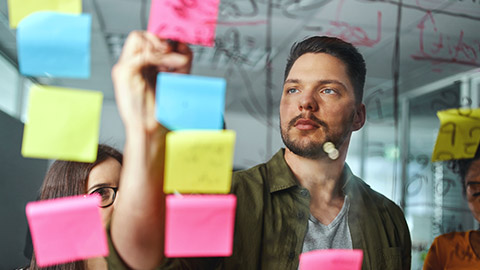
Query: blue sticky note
x=190, y=102
x=54, y=44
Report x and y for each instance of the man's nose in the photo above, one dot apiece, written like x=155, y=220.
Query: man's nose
x=308, y=102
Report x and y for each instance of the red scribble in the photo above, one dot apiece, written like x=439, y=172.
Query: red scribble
x=183, y=7
x=445, y=49
x=180, y=11
x=354, y=34
x=459, y=7
x=189, y=3
x=244, y=23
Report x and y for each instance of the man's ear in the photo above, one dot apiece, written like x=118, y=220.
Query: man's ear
x=359, y=117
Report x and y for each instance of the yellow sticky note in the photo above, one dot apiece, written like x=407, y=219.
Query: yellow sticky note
x=62, y=124
x=459, y=134
x=199, y=161
x=19, y=9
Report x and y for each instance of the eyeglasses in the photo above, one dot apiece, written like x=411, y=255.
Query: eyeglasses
x=107, y=195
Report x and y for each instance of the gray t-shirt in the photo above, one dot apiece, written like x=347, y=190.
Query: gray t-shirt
x=334, y=235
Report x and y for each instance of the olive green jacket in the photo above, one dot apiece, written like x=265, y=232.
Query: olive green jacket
x=272, y=217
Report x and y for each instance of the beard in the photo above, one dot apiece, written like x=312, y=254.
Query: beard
x=314, y=149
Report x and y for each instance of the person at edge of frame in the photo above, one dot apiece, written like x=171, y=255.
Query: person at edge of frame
x=460, y=250
x=73, y=178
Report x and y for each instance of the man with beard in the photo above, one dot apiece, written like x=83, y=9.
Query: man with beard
x=304, y=198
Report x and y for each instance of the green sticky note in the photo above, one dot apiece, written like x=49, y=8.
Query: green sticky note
x=199, y=161
x=19, y=9
x=62, y=124
x=459, y=134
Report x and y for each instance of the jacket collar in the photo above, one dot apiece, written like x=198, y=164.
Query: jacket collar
x=280, y=176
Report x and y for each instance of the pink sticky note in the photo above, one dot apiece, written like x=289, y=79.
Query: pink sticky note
x=66, y=229
x=332, y=259
x=191, y=21
x=199, y=225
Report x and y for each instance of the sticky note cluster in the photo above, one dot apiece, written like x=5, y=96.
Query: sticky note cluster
x=53, y=40
x=53, y=37
x=199, y=154
x=332, y=259
x=198, y=160
x=459, y=134
x=66, y=229
x=186, y=21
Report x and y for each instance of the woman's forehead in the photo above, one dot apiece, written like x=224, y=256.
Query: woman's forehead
x=473, y=173
x=106, y=172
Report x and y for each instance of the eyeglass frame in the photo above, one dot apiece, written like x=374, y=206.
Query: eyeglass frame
x=115, y=189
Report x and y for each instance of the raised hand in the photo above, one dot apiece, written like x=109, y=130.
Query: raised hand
x=134, y=76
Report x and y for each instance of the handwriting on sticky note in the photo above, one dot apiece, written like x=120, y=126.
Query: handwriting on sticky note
x=199, y=161
x=64, y=52
x=190, y=102
x=18, y=10
x=66, y=229
x=62, y=124
x=199, y=225
x=459, y=134
x=332, y=259
x=191, y=21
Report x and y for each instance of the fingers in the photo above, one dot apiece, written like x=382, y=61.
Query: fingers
x=158, y=44
x=186, y=66
x=134, y=75
x=143, y=49
x=133, y=44
x=184, y=49
x=175, y=62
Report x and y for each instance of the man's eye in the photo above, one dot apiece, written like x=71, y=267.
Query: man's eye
x=292, y=90
x=329, y=91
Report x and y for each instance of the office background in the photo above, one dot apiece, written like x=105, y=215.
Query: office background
x=422, y=56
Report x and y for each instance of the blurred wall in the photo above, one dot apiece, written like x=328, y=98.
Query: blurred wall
x=20, y=180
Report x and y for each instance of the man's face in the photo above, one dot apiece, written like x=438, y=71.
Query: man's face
x=472, y=182
x=318, y=105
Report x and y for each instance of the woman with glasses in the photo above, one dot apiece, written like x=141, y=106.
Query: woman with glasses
x=460, y=250
x=68, y=178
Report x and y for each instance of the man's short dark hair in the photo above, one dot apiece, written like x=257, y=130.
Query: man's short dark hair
x=338, y=48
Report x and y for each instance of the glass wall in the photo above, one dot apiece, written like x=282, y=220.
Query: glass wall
x=397, y=161
x=14, y=90
x=9, y=80
x=433, y=199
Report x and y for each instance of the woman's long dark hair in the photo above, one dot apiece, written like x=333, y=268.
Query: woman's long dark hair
x=461, y=167
x=69, y=178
